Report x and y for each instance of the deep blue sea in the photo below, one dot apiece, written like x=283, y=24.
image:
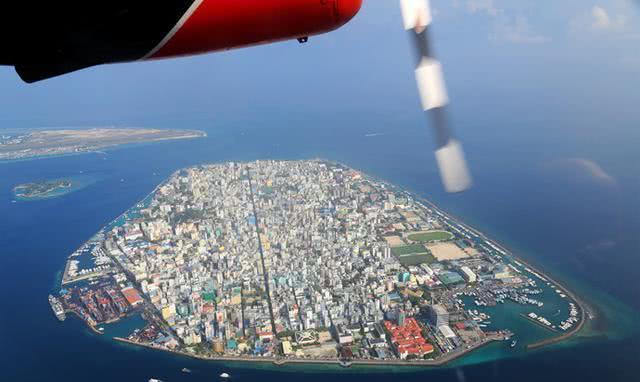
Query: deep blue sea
x=530, y=194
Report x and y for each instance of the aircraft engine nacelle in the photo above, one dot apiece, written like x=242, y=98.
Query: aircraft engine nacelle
x=55, y=38
x=214, y=25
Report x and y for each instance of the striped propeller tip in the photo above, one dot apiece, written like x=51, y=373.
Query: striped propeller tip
x=416, y=15
x=431, y=87
x=453, y=167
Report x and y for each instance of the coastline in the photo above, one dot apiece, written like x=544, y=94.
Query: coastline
x=78, y=182
x=64, y=281
x=54, y=190
x=91, y=327
x=583, y=308
x=103, y=149
x=279, y=361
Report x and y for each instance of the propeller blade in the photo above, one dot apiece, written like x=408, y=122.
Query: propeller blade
x=416, y=15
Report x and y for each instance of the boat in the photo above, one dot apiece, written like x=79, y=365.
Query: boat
x=513, y=344
x=154, y=380
x=225, y=375
x=345, y=363
x=185, y=370
x=57, y=308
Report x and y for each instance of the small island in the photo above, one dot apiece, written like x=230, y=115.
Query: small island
x=47, y=143
x=309, y=262
x=44, y=189
x=52, y=188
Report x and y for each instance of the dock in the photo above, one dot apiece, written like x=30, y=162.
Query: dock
x=539, y=323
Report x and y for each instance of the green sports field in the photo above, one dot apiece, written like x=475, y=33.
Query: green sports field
x=413, y=254
x=408, y=249
x=416, y=259
x=425, y=237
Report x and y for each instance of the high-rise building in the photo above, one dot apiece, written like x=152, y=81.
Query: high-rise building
x=401, y=317
x=438, y=315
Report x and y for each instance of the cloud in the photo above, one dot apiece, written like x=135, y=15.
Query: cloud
x=518, y=31
x=592, y=169
x=487, y=6
x=600, y=20
x=514, y=29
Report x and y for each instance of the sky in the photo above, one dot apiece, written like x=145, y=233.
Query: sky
x=569, y=50
x=529, y=73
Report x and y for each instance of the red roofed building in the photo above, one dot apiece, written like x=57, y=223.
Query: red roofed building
x=265, y=336
x=132, y=296
x=208, y=308
x=408, y=339
x=426, y=348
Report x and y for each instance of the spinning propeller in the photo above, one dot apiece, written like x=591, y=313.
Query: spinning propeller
x=433, y=94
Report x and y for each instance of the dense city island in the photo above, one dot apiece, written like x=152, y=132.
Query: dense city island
x=310, y=262
x=47, y=143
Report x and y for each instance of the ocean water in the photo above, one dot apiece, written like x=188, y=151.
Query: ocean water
x=549, y=211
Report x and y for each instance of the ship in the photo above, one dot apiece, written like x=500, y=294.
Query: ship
x=224, y=375
x=57, y=308
x=185, y=370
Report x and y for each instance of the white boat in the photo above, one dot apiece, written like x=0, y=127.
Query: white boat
x=154, y=380
x=225, y=375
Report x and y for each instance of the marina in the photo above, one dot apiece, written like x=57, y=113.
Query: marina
x=540, y=321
